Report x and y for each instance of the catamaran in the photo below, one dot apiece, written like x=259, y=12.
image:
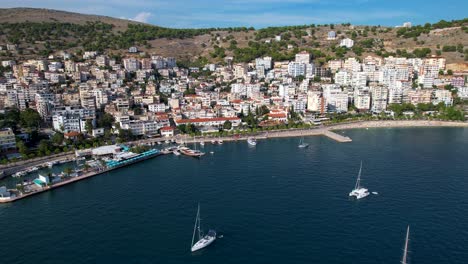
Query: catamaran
x=359, y=192
x=252, y=141
x=405, y=250
x=302, y=144
x=203, y=241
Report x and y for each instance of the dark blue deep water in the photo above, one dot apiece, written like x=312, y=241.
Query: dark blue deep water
x=273, y=203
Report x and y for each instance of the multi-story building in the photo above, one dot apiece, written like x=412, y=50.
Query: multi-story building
x=157, y=108
x=132, y=64
x=303, y=57
x=420, y=96
x=7, y=139
x=296, y=69
x=343, y=78
x=266, y=62
x=362, y=99
x=458, y=81
x=44, y=105
x=315, y=102
x=379, y=96
x=336, y=100
x=442, y=96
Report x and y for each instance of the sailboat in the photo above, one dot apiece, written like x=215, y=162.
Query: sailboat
x=359, y=192
x=405, y=250
x=220, y=141
x=203, y=241
x=302, y=144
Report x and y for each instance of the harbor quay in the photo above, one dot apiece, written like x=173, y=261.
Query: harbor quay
x=43, y=183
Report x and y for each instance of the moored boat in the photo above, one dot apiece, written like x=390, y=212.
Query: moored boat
x=252, y=141
x=203, y=240
x=359, y=192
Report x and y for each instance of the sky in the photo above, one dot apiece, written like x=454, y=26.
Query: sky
x=260, y=13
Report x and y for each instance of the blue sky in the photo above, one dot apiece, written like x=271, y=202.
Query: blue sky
x=260, y=13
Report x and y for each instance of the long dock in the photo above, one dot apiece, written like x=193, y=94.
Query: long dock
x=275, y=134
x=336, y=137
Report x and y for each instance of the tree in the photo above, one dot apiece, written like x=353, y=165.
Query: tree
x=23, y=150
x=43, y=147
x=89, y=126
x=57, y=138
x=227, y=125
x=106, y=121
x=10, y=119
x=30, y=119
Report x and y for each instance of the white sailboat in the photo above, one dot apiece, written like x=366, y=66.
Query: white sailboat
x=203, y=241
x=302, y=144
x=404, y=260
x=359, y=192
x=220, y=141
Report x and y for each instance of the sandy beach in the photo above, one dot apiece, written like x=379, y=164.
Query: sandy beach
x=396, y=123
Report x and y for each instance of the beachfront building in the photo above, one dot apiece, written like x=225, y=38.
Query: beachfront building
x=167, y=131
x=209, y=122
x=362, y=99
x=315, y=102
x=140, y=128
x=379, y=96
x=7, y=139
x=336, y=100
x=443, y=96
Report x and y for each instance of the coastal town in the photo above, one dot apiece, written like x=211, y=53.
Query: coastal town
x=86, y=104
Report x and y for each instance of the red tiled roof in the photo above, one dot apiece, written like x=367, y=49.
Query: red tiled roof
x=282, y=115
x=167, y=129
x=203, y=120
x=72, y=134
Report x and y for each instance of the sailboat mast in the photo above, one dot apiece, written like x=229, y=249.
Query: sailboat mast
x=358, y=182
x=195, y=227
x=199, y=223
x=405, y=251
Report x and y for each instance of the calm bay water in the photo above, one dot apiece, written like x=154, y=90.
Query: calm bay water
x=273, y=203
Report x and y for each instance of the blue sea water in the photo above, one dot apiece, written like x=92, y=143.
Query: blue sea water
x=273, y=203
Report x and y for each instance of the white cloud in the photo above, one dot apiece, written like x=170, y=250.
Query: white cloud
x=142, y=17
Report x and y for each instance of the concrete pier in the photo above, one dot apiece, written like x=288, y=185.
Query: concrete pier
x=336, y=137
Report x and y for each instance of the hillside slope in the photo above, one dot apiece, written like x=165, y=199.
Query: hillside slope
x=40, y=32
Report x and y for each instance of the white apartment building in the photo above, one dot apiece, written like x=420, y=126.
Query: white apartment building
x=336, y=100
x=379, y=96
x=343, y=78
x=296, y=69
x=132, y=64
x=362, y=99
x=7, y=139
x=157, y=108
x=442, y=96
x=266, y=62
x=303, y=57
x=347, y=42
x=315, y=101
